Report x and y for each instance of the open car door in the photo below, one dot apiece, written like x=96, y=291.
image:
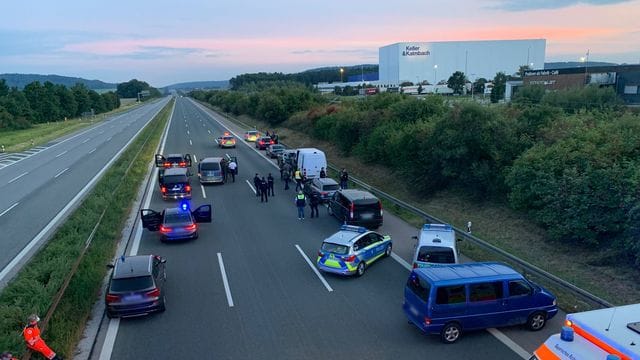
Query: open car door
x=160, y=160
x=151, y=220
x=187, y=159
x=202, y=214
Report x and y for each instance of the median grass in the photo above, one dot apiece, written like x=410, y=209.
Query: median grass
x=36, y=285
x=39, y=134
x=595, y=271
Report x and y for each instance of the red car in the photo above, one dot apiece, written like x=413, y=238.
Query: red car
x=263, y=142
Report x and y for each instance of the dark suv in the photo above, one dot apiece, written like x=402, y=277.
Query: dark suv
x=175, y=184
x=356, y=207
x=136, y=286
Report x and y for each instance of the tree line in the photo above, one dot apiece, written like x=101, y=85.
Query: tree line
x=569, y=159
x=39, y=103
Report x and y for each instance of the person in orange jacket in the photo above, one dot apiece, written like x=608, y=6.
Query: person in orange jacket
x=31, y=335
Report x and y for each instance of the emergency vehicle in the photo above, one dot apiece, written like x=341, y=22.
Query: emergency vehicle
x=612, y=333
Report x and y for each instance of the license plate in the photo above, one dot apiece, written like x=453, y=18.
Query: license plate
x=175, y=188
x=366, y=216
x=133, y=298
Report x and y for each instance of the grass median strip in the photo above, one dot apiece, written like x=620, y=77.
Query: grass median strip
x=35, y=286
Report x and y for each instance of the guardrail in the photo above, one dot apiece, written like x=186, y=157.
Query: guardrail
x=528, y=268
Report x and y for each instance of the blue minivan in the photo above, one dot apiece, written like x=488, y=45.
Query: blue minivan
x=449, y=299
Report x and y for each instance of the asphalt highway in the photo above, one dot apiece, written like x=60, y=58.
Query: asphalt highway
x=41, y=186
x=245, y=289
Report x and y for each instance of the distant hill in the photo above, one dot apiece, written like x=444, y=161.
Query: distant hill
x=21, y=80
x=573, y=64
x=214, y=84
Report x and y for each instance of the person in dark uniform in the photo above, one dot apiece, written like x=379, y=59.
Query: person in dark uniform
x=323, y=174
x=286, y=176
x=270, y=183
x=256, y=183
x=314, y=200
x=225, y=170
x=264, y=190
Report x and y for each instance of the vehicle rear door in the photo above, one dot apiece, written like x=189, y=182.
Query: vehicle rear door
x=202, y=214
x=151, y=220
x=187, y=159
x=160, y=160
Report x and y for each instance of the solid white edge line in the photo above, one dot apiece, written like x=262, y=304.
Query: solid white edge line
x=401, y=261
x=20, y=256
x=225, y=282
x=9, y=208
x=62, y=153
x=315, y=270
x=61, y=172
x=112, y=331
x=18, y=177
x=509, y=343
x=251, y=186
x=204, y=193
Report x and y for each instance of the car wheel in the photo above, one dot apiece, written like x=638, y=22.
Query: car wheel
x=110, y=315
x=387, y=252
x=450, y=333
x=536, y=321
x=361, y=267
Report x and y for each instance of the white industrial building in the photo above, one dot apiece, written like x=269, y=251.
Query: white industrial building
x=434, y=62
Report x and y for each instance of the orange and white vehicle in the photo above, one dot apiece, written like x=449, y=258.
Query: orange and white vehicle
x=612, y=333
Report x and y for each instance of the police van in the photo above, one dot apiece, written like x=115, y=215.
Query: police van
x=612, y=333
x=436, y=245
x=309, y=161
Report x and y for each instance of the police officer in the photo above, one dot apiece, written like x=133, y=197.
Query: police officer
x=270, y=183
x=233, y=167
x=225, y=170
x=256, y=183
x=286, y=176
x=264, y=190
x=314, y=200
x=323, y=174
x=301, y=202
x=31, y=334
x=344, y=179
x=297, y=176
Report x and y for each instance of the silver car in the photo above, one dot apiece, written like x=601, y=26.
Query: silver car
x=210, y=170
x=324, y=187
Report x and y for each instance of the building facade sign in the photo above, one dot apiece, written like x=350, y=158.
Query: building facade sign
x=414, y=50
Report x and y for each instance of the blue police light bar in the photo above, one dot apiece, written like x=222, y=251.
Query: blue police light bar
x=436, y=227
x=184, y=205
x=359, y=229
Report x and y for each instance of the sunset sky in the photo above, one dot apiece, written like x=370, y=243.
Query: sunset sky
x=165, y=42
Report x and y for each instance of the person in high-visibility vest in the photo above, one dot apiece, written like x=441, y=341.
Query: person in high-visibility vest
x=301, y=202
x=31, y=335
x=297, y=176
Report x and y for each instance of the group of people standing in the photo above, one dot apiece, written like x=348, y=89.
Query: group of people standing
x=264, y=187
x=229, y=167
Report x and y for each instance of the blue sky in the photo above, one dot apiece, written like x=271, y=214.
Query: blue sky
x=164, y=42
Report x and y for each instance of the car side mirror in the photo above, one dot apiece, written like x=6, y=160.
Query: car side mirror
x=163, y=261
x=110, y=266
x=459, y=239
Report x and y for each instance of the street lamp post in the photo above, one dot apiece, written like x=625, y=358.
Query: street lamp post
x=341, y=72
x=435, y=75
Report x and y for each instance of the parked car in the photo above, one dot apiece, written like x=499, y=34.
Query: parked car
x=174, y=183
x=356, y=207
x=210, y=170
x=274, y=150
x=436, y=245
x=351, y=250
x=136, y=286
x=323, y=187
x=179, y=223
x=226, y=141
x=450, y=299
x=263, y=142
x=252, y=135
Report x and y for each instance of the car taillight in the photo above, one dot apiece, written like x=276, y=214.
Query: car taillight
x=167, y=164
x=112, y=298
x=415, y=265
x=349, y=258
x=183, y=164
x=187, y=188
x=351, y=208
x=190, y=227
x=427, y=321
x=163, y=189
x=164, y=229
x=154, y=293
x=320, y=254
x=380, y=204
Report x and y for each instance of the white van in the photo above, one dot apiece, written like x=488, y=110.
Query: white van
x=436, y=245
x=310, y=161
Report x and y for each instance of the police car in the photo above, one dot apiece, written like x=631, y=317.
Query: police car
x=352, y=249
x=226, y=140
x=179, y=223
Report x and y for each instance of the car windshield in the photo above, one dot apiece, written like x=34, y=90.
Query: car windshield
x=131, y=284
x=436, y=255
x=174, y=159
x=277, y=147
x=335, y=248
x=210, y=166
x=227, y=138
x=330, y=187
x=174, y=179
x=178, y=218
x=251, y=133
